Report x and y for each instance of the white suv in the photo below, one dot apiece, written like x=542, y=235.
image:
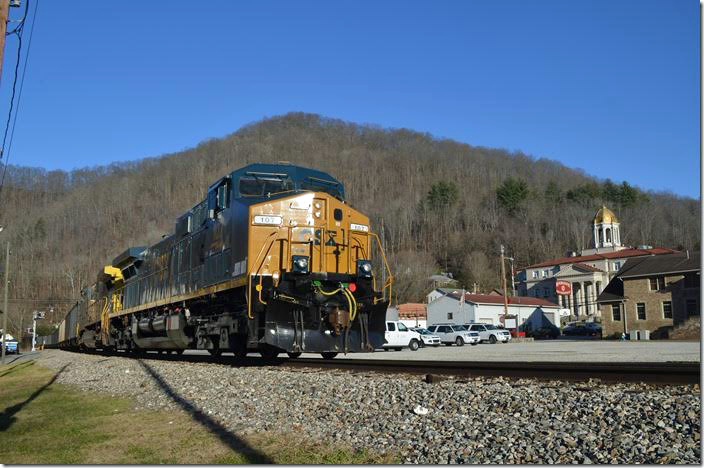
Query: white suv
x=490, y=333
x=450, y=333
x=428, y=338
x=398, y=336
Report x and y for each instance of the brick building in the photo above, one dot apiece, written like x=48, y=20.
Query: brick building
x=652, y=293
x=588, y=272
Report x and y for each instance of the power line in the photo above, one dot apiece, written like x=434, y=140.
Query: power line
x=17, y=31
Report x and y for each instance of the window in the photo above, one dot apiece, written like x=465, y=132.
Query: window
x=323, y=185
x=402, y=327
x=535, y=273
x=616, y=312
x=545, y=273
x=449, y=316
x=691, y=280
x=617, y=266
x=391, y=326
x=640, y=310
x=223, y=197
x=657, y=283
x=692, y=307
x=264, y=186
x=667, y=309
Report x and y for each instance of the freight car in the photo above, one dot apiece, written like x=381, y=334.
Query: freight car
x=272, y=260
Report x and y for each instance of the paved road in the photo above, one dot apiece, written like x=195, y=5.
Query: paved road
x=562, y=350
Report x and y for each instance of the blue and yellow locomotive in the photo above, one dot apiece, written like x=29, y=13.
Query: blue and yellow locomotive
x=273, y=260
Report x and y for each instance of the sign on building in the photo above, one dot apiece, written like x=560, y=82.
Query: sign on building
x=563, y=287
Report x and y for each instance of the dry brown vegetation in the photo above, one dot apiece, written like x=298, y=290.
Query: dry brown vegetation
x=64, y=226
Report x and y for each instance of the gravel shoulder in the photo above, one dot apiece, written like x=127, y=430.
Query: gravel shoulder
x=478, y=420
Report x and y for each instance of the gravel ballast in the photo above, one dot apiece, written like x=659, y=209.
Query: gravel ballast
x=477, y=420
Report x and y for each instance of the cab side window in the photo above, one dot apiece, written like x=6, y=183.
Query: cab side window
x=223, y=196
x=391, y=326
x=219, y=197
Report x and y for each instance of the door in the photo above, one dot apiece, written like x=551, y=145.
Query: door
x=392, y=338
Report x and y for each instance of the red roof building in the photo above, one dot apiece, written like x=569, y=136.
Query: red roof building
x=583, y=277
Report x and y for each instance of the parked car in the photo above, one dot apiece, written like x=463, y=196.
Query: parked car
x=582, y=330
x=428, y=339
x=490, y=333
x=450, y=333
x=11, y=347
x=544, y=333
x=399, y=336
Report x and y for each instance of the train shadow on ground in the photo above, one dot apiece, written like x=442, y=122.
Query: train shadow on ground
x=236, y=443
x=7, y=417
x=225, y=359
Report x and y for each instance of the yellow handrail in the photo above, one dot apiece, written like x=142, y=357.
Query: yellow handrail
x=273, y=237
x=249, y=279
x=389, y=282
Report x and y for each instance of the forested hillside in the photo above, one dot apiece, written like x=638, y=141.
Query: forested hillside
x=445, y=206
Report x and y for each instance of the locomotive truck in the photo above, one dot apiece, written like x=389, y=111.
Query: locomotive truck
x=273, y=260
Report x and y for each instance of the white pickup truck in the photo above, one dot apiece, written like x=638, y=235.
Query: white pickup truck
x=398, y=336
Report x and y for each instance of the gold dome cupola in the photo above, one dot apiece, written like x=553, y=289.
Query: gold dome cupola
x=606, y=229
x=605, y=216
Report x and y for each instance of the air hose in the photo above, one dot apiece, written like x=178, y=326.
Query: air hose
x=351, y=301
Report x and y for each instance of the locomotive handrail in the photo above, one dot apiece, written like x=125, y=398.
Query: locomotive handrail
x=252, y=272
x=389, y=282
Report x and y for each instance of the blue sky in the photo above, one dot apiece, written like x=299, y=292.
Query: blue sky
x=611, y=87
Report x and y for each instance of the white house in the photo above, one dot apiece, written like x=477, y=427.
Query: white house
x=529, y=312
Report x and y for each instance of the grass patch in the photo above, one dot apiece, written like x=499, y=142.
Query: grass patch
x=43, y=422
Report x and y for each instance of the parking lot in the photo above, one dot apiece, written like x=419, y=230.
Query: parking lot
x=560, y=350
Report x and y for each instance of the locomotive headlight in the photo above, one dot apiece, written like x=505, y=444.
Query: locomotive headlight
x=300, y=264
x=269, y=220
x=364, y=268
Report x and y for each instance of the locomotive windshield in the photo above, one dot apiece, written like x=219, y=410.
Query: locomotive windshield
x=321, y=185
x=267, y=180
x=264, y=185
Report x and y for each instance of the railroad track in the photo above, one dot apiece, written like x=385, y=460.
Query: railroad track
x=665, y=373
x=648, y=372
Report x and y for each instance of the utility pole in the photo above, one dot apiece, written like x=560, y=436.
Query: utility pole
x=4, y=12
x=34, y=331
x=383, y=270
x=503, y=284
x=4, y=309
x=513, y=277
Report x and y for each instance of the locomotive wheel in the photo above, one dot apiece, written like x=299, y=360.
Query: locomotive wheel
x=269, y=353
x=294, y=355
x=328, y=355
